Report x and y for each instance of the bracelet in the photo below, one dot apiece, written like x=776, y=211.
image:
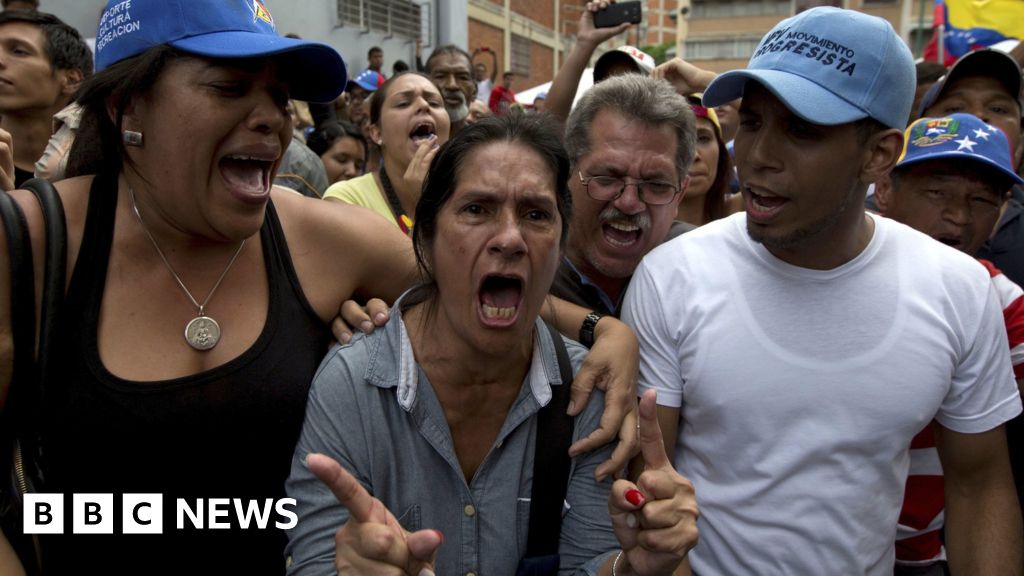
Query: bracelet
x=616, y=562
x=587, y=329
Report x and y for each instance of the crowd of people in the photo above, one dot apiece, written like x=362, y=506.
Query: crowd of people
x=767, y=321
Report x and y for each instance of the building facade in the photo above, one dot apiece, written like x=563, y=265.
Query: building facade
x=531, y=37
x=722, y=34
x=351, y=26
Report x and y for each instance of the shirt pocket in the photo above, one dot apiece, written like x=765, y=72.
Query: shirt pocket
x=410, y=519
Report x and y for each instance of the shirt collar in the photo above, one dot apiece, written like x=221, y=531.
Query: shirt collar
x=392, y=363
x=605, y=299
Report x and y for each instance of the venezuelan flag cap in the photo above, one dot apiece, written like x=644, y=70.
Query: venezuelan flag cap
x=959, y=138
x=218, y=29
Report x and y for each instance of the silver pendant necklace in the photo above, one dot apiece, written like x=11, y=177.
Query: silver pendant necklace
x=202, y=332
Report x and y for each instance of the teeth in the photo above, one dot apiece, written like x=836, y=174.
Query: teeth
x=492, y=312
x=616, y=243
x=624, y=227
x=246, y=158
x=756, y=202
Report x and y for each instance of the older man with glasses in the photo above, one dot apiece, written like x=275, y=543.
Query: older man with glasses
x=630, y=140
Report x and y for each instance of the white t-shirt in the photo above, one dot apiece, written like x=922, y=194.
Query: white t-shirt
x=483, y=90
x=800, y=389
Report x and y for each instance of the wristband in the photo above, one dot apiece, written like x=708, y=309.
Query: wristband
x=587, y=329
x=615, y=564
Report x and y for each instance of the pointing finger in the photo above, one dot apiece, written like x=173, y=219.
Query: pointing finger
x=349, y=492
x=652, y=446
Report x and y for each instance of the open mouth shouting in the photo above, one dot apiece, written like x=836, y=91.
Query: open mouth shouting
x=763, y=205
x=953, y=241
x=423, y=130
x=248, y=175
x=500, y=298
x=623, y=231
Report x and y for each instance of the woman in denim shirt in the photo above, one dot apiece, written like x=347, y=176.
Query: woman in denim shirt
x=435, y=414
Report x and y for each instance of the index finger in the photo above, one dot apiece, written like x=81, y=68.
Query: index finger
x=652, y=446
x=349, y=492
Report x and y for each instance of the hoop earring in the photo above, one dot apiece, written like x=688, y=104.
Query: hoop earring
x=132, y=138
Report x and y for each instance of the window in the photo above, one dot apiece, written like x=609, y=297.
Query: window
x=720, y=49
x=520, y=55
x=392, y=17
x=729, y=9
x=801, y=5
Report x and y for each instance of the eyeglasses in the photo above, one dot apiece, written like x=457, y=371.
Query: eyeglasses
x=609, y=188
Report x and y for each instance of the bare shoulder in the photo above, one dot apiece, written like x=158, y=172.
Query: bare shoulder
x=333, y=226
x=340, y=250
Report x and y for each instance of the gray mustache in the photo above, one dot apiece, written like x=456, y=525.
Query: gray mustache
x=613, y=214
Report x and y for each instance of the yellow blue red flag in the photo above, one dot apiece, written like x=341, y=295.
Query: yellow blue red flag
x=974, y=24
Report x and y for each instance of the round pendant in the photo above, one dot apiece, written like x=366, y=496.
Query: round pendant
x=202, y=333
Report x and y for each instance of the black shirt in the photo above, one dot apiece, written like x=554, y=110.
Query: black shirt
x=22, y=176
x=1006, y=248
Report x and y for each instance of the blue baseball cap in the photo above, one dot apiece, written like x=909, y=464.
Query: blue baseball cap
x=958, y=137
x=985, y=62
x=369, y=80
x=218, y=29
x=829, y=66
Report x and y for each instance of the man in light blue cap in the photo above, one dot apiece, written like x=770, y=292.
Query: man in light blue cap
x=847, y=333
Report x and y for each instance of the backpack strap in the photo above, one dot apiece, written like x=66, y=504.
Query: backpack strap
x=551, y=461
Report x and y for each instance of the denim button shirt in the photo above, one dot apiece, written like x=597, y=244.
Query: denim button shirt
x=373, y=410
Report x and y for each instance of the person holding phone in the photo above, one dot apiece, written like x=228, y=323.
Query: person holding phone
x=588, y=38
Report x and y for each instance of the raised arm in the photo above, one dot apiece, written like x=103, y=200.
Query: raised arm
x=983, y=520
x=684, y=76
x=567, y=80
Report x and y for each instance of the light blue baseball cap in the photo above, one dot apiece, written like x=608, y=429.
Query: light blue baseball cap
x=218, y=29
x=829, y=66
x=959, y=137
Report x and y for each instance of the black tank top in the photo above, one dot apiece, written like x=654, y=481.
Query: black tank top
x=225, y=433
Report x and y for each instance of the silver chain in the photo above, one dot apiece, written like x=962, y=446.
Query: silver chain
x=200, y=307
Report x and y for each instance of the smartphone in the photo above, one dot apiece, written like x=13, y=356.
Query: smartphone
x=618, y=13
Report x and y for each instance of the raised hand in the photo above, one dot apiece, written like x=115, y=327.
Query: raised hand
x=655, y=519
x=372, y=541
x=6, y=160
x=684, y=76
x=416, y=173
x=591, y=35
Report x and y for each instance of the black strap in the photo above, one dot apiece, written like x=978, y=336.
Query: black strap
x=54, y=273
x=551, y=461
x=17, y=413
x=20, y=434
x=22, y=315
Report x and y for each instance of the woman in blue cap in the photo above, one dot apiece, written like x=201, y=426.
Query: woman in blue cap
x=191, y=328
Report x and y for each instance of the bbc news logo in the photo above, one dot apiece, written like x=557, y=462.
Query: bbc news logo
x=144, y=514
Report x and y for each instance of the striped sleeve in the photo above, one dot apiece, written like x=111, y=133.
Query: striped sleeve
x=1011, y=298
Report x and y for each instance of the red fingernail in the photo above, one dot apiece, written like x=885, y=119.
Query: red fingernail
x=634, y=497
x=440, y=535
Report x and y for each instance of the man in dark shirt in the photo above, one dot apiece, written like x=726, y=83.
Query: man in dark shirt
x=45, y=60
x=630, y=141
